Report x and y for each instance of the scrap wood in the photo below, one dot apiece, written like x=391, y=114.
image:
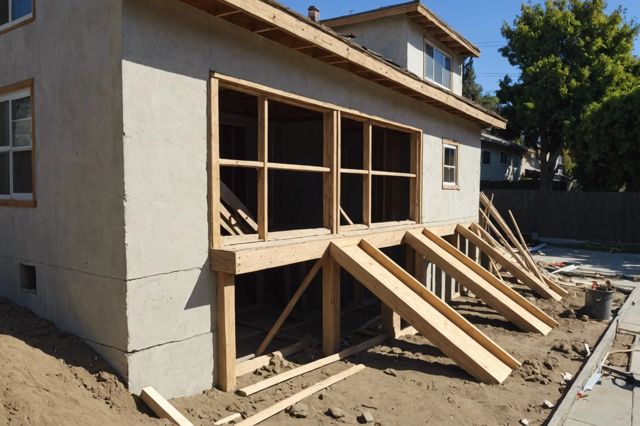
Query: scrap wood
x=246, y=367
x=288, y=402
x=228, y=419
x=162, y=408
x=272, y=381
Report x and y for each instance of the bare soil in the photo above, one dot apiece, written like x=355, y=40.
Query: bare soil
x=50, y=377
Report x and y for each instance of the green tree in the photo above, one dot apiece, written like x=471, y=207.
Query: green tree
x=570, y=53
x=607, y=147
x=473, y=90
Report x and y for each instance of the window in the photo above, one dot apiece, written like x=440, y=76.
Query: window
x=14, y=12
x=450, y=165
x=504, y=158
x=486, y=157
x=437, y=66
x=28, y=278
x=16, y=145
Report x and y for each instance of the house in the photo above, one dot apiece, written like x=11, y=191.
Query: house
x=165, y=165
x=502, y=160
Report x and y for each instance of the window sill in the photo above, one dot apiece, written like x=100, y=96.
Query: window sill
x=10, y=26
x=450, y=187
x=19, y=203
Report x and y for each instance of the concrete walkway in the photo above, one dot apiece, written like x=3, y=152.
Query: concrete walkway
x=624, y=264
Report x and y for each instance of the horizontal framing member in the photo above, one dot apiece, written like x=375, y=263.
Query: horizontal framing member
x=245, y=258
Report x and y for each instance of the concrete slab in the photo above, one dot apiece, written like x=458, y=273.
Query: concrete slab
x=609, y=404
x=626, y=264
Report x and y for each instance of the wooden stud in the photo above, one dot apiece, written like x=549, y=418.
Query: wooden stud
x=330, y=306
x=331, y=200
x=391, y=321
x=226, y=332
x=415, y=185
x=263, y=173
x=214, y=166
x=367, y=180
x=292, y=303
x=163, y=408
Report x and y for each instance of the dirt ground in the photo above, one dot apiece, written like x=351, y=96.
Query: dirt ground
x=50, y=377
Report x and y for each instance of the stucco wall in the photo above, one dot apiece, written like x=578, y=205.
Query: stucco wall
x=497, y=171
x=75, y=235
x=168, y=52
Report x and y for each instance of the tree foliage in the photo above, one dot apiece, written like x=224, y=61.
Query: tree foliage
x=471, y=89
x=571, y=54
x=607, y=147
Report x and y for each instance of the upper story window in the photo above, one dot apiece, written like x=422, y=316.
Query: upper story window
x=437, y=66
x=13, y=12
x=16, y=145
x=504, y=157
x=486, y=157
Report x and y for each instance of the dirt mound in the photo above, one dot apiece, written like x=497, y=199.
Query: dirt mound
x=50, y=377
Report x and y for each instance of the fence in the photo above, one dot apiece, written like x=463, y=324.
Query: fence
x=605, y=216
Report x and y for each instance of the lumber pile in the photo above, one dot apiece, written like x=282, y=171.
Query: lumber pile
x=507, y=250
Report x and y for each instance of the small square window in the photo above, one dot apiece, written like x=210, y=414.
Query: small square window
x=28, y=278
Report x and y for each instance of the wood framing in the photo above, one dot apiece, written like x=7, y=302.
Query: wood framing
x=226, y=332
x=367, y=180
x=214, y=163
x=263, y=172
x=331, y=182
x=330, y=306
x=312, y=39
x=163, y=408
x=16, y=87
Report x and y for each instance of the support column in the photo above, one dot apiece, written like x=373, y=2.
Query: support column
x=390, y=321
x=226, y=332
x=330, y=306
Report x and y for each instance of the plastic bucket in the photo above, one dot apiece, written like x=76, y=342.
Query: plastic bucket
x=597, y=303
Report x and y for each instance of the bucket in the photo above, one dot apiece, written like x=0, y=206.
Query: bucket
x=597, y=303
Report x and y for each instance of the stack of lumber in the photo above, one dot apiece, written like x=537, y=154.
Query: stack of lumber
x=508, y=251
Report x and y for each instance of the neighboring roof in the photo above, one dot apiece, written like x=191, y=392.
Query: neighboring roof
x=271, y=20
x=502, y=143
x=419, y=14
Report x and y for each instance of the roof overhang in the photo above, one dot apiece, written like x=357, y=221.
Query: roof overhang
x=419, y=14
x=279, y=24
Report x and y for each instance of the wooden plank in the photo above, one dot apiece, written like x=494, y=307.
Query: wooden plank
x=226, y=332
x=251, y=257
x=503, y=242
x=286, y=403
x=330, y=306
x=241, y=163
x=263, y=173
x=492, y=296
x=299, y=168
x=346, y=216
x=430, y=323
x=391, y=321
x=228, y=419
x=214, y=166
x=524, y=276
x=493, y=280
x=415, y=187
x=443, y=308
x=330, y=180
x=287, y=310
x=162, y=408
x=298, y=371
x=253, y=364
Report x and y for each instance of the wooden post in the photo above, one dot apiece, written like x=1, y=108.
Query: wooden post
x=226, y=332
x=263, y=172
x=330, y=306
x=390, y=321
x=366, y=183
x=214, y=163
x=415, y=185
x=331, y=180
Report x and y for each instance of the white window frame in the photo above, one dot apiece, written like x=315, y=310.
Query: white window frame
x=12, y=96
x=424, y=62
x=10, y=23
x=454, y=146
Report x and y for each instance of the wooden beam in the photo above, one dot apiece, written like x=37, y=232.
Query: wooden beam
x=238, y=206
x=367, y=182
x=298, y=371
x=214, y=166
x=287, y=310
x=415, y=187
x=524, y=276
x=391, y=321
x=263, y=173
x=331, y=200
x=256, y=256
x=346, y=216
x=330, y=306
x=162, y=408
x=246, y=367
x=288, y=402
x=226, y=332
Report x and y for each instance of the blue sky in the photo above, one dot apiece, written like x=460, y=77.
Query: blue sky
x=477, y=20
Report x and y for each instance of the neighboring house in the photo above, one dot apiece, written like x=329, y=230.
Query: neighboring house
x=501, y=160
x=160, y=160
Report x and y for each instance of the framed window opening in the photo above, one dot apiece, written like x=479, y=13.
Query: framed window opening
x=15, y=13
x=438, y=66
x=17, y=145
x=450, y=152
x=486, y=157
x=294, y=147
x=504, y=157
